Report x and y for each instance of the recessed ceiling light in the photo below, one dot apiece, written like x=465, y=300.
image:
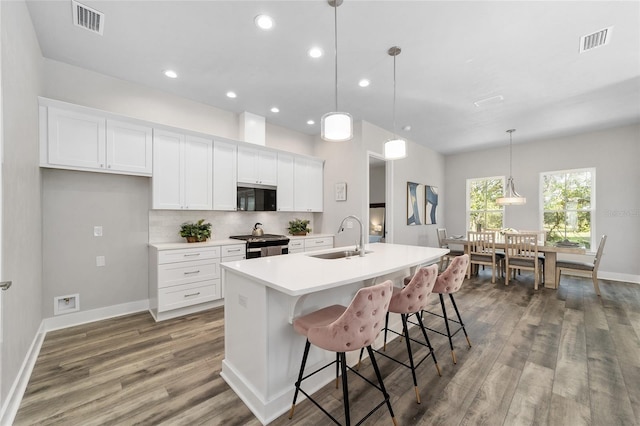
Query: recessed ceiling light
x=170, y=74
x=275, y=109
x=364, y=82
x=407, y=128
x=264, y=22
x=232, y=95
x=311, y=122
x=315, y=52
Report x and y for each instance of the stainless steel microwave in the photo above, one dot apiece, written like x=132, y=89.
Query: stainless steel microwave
x=256, y=198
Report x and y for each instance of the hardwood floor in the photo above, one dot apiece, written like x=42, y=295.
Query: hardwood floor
x=549, y=357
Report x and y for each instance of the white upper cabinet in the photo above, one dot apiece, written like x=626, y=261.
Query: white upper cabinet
x=76, y=139
x=257, y=166
x=182, y=172
x=80, y=140
x=285, y=183
x=198, y=173
x=224, y=175
x=308, y=185
x=129, y=147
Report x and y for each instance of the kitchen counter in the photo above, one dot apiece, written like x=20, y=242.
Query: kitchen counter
x=262, y=351
x=302, y=273
x=208, y=243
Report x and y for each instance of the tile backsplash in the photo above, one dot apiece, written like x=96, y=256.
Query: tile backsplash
x=164, y=225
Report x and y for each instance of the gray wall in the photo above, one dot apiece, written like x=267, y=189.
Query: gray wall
x=73, y=203
x=614, y=153
x=21, y=209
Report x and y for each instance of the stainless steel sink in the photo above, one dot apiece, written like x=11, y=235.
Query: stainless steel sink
x=337, y=254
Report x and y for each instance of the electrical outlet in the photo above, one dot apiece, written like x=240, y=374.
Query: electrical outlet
x=97, y=231
x=100, y=261
x=349, y=224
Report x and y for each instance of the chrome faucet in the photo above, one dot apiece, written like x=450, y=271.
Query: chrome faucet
x=362, y=234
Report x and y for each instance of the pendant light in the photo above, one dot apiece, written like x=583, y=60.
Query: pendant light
x=396, y=148
x=511, y=196
x=336, y=126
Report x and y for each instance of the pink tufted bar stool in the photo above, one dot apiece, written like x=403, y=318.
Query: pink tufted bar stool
x=449, y=282
x=407, y=301
x=339, y=329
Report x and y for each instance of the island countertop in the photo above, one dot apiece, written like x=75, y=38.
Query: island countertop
x=301, y=273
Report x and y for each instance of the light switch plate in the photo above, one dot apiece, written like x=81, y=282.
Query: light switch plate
x=97, y=231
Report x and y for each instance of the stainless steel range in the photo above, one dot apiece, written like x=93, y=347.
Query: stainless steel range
x=264, y=245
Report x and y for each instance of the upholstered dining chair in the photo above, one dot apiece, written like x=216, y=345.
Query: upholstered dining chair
x=342, y=329
x=482, y=251
x=591, y=267
x=521, y=252
x=442, y=236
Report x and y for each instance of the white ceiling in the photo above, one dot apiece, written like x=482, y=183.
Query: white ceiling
x=454, y=53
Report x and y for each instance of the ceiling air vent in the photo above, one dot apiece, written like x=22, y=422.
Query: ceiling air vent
x=87, y=18
x=597, y=39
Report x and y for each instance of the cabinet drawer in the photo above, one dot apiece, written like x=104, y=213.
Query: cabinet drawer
x=311, y=243
x=188, y=254
x=172, y=274
x=234, y=258
x=296, y=245
x=234, y=250
x=188, y=294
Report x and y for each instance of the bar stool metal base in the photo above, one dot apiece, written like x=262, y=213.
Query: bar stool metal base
x=408, y=339
x=447, y=320
x=341, y=365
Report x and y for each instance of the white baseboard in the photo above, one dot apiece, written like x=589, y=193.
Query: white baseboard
x=615, y=276
x=604, y=275
x=83, y=317
x=12, y=402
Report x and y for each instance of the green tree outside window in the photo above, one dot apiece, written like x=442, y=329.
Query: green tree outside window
x=483, y=210
x=568, y=205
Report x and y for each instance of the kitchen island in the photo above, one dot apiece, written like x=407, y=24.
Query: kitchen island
x=263, y=296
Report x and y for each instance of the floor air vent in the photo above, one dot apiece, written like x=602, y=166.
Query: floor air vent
x=87, y=18
x=597, y=39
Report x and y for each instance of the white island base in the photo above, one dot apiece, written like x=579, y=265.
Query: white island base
x=262, y=296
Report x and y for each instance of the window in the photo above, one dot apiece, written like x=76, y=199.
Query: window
x=481, y=203
x=568, y=204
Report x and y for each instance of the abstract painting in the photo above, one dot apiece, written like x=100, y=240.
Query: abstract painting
x=415, y=203
x=432, y=204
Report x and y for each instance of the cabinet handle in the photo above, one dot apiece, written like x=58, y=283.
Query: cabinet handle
x=230, y=250
x=109, y=166
x=192, y=272
x=101, y=165
x=191, y=254
x=192, y=294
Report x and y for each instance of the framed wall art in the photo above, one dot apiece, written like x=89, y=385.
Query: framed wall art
x=432, y=203
x=341, y=191
x=415, y=203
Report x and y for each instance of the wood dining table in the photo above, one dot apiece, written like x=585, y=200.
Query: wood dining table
x=550, y=255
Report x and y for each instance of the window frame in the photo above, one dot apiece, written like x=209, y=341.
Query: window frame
x=468, y=200
x=592, y=202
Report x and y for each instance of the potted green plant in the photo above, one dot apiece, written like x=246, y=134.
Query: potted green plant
x=195, y=232
x=299, y=227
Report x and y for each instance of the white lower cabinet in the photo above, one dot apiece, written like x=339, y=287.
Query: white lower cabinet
x=306, y=244
x=183, y=280
x=319, y=243
x=231, y=253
